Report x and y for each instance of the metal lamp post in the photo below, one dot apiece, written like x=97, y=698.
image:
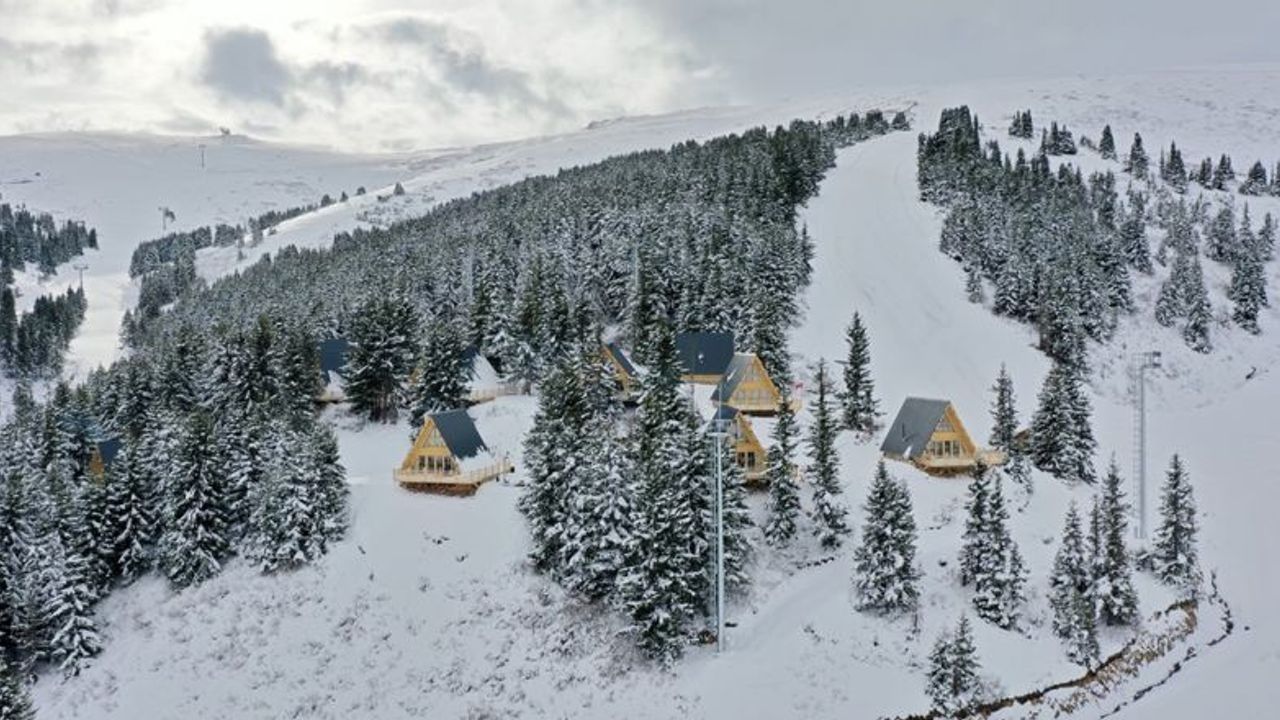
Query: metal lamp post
x=1146, y=361
x=720, y=432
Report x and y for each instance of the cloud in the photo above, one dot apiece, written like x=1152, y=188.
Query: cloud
x=242, y=64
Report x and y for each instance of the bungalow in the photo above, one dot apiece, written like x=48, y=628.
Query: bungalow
x=704, y=356
x=333, y=359
x=748, y=451
x=624, y=371
x=929, y=435
x=448, y=456
x=748, y=387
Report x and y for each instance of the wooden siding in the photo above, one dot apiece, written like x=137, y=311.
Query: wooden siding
x=756, y=393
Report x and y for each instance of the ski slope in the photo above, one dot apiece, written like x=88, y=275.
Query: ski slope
x=427, y=609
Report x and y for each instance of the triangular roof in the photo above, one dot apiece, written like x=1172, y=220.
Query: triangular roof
x=459, y=433
x=619, y=356
x=909, y=434
x=333, y=354
x=108, y=449
x=704, y=353
x=734, y=375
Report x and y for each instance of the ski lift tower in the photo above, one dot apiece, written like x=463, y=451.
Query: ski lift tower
x=1145, y=361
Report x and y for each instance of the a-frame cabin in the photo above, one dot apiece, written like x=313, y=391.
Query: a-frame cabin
x=749, y=453
x=449, y=456
x=929, y=434
x=748, y=387
x=624, y=371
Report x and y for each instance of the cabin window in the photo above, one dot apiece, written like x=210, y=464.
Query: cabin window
x=422, y=463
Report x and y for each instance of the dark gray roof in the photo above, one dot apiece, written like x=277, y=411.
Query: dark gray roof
x=733, y=376
x=108, y=449
x=621, y=358
x=704, y=353
x=723, y=417
x=909, y=434
x=333, y=354
x=459, y=433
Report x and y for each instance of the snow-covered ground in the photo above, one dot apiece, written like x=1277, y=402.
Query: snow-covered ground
x=427, y=609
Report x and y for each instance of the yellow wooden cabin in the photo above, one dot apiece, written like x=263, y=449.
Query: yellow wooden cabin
x=748, y=451
x=929, y=434
x=624, y=371
x=748, y=387
x=449, y=456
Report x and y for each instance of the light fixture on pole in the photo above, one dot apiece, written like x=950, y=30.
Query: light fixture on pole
x=721, y=426
x=1146, y=361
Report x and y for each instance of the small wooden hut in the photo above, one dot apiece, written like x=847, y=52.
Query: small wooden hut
x=748, y=387
x=448, y=456
x=929, y=434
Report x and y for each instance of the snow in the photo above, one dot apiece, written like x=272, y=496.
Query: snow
x=427, y=609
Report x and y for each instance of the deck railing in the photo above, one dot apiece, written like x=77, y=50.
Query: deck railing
x=474, y=476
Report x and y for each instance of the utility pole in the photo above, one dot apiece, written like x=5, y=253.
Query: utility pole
x=1146, y=361
x=202, y=146
x=81, y=267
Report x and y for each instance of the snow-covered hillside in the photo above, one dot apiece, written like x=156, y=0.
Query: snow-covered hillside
x=427, y=609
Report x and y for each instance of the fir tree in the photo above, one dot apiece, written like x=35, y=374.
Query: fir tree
x=1071, y=594
x=1255, y=183
x=1107, y=144
x=1133, y=234
x=15, y=701
x=195, y=541
x=1199, y=314
x=885, y=570
x=1062, y=442
x=953, y=681
x=1224, y=173
x=1113, y=582
x=131, y=501
x=604, y=534
x=989, y=558
x=380, y=357
x=784, y=492
x=442, y=374
x=829, y=514
x=1174, y=549
x=285, y=529
x=1138, y=161
x=1004, y=412
x=859, y=406
x=330, y=485
x=75, y=633
x=1248, y=291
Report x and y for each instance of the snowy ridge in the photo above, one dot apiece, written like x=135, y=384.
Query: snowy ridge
x=427, y=608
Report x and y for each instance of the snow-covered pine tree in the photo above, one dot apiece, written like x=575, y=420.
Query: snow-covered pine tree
x=380, y=358
x=329, y=485
x=1062, y=442
x=829, y=513
x=74, y=636
x=549, y=462
x=738, y=548
x=1199, y=313
x=1174, y=553
x=1138, y=161
x=1107, y=144
x=1133, y=233
x=195, y=540
x=1113, y=581
x=1248, y=290
x=285, y=528
x=1255, y=183
x=1004, y=412
x=605, y=510
x=663, y=570
x=1223, y=245
x=131, y=502
x=860, y=409
x=953, y=682
x=1071, y=594
x=1224, y=173
x=885, y=572
x=782, y=476
x=1267, y=238
x=15, y=701
x=442, y=374
x=989, y=558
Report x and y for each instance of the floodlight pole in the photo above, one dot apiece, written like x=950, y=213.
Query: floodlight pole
x=1146, y=361
x=720, y=431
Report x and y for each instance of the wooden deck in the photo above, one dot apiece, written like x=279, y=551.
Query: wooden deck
x=458, y=483
x=482, y=395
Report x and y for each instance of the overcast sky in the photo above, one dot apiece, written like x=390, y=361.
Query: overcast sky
x=398, y=74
